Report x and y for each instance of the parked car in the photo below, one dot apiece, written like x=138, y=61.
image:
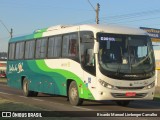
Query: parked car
x=2, y=74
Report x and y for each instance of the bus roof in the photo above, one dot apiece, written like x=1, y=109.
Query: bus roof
x=62, y=29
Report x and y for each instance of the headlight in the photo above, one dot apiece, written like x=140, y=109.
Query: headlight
x=105, y=84
x=150, y=86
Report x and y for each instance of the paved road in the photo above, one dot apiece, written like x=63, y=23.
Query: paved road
x=59, y=103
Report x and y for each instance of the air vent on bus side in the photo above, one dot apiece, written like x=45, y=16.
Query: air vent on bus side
x=57, y=27
x=52, y=28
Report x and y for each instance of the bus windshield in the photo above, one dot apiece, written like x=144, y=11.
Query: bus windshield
x=126, y=56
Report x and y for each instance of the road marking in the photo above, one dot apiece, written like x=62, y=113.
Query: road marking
x=22, y=96
x=82, y=108
x=3, y=84
x=26, y=97
x=31, y=98
x=37, y=99
x=48, y=102
x=6, y=93
x=55, y=103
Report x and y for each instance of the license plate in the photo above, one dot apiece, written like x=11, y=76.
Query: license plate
x=131, y=94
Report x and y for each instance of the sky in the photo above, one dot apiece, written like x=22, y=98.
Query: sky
x=26, y=16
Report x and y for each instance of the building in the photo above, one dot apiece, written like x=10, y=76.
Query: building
x=3, y=64
x=155, y=37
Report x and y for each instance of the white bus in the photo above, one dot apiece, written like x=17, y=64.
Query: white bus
x=95, y=62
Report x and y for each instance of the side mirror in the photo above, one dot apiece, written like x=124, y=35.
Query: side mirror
x=96, y=47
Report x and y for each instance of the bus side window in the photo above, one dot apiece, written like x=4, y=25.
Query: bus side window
x=87, y=56
x=41, y=48
x=29, y=49
x=19, y=53
x=70, y=46
x=11, y=51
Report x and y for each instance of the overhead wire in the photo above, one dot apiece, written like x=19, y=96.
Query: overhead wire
x=125, y=17
x=136, y=20
x=131, y=15
x=91, y=5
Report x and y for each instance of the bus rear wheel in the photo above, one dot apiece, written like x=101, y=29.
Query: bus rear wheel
x=123, y=102
x=73, y=94
x=26, y=90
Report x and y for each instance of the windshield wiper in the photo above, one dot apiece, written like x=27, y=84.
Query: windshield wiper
x=140, y=62
x=119, y=64
x=118, y=69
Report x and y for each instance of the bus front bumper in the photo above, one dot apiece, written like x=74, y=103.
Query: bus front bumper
x=108, y=94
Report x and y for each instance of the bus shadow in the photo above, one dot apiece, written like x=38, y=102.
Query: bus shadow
x=98, y=103
x=49, y=95
x=147, y=105
x=134, y=105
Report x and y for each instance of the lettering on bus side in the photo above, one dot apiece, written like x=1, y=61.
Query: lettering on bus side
x=65, y=64
x=13, y=68
x=16, y=68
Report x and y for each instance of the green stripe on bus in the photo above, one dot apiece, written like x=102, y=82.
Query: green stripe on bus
x=68, y=75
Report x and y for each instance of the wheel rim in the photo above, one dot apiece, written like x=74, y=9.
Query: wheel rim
x=25, y=87
x=74, y=94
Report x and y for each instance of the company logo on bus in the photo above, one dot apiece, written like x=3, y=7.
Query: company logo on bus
x=16, y=67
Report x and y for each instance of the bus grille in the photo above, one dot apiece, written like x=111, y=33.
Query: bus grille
x=130, y=88
x=123, y=95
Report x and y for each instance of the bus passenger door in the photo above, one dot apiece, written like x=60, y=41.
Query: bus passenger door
x=88, y=64
x=89, y=74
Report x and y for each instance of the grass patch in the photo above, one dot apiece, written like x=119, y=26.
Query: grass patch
x=157, y=97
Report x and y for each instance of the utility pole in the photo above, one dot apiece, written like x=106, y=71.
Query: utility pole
x=11, y=33
x=96, y=10
x=97, y=13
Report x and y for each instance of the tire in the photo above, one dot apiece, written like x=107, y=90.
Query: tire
x=73, y=94
x=123, y=102
x=26, y=91
x=34, y=94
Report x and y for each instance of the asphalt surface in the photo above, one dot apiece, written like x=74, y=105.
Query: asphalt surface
x=60, y=103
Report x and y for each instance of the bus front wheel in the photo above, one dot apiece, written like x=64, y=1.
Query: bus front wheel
x=26, y=90
x=73, y=94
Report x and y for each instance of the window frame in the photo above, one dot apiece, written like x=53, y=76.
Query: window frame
x=45, y=54
x=76, y=57
x=12, y=56
x=53, y=47
x=28, y=58
x=18, y=57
